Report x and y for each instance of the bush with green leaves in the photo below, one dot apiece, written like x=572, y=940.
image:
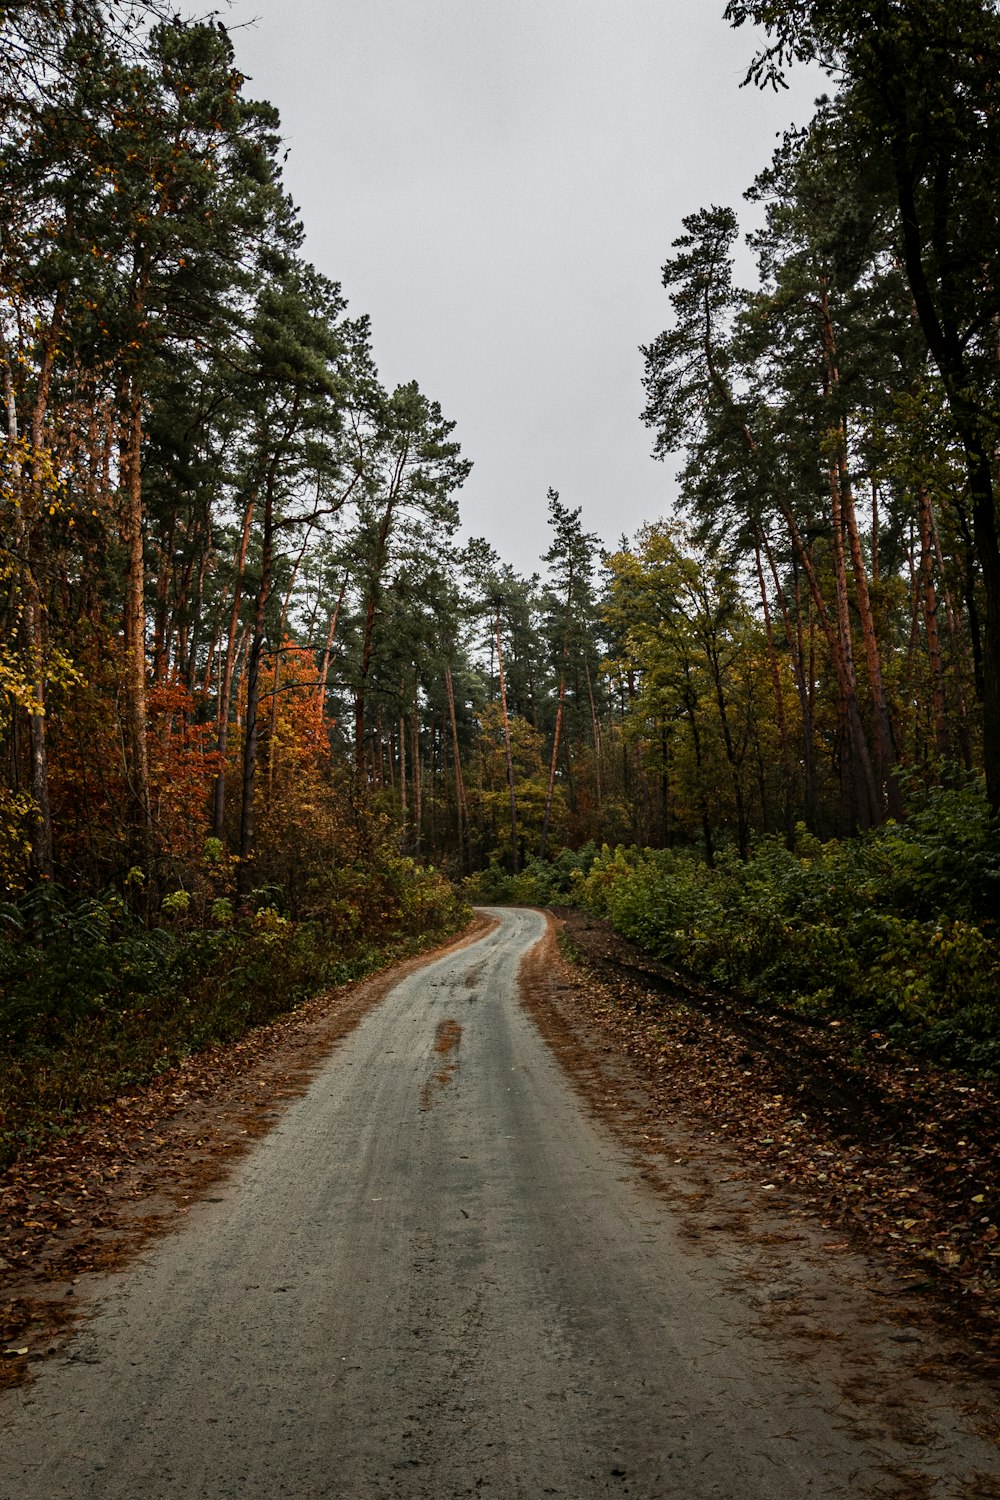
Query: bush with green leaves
x=540, y=883
x=93, y=1003
x=897, y=930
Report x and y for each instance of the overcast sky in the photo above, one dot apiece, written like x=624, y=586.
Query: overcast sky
x=497, y=183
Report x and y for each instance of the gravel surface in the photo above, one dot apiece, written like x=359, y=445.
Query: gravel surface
x=438, y=1277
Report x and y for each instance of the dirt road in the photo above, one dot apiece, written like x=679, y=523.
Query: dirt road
x=437, y=1278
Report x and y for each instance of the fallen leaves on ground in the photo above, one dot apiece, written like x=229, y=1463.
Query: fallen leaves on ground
x=132, y=1169
x=879, y=1147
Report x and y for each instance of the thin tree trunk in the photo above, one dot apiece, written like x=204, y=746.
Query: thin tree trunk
x=929, y=599
x=514, y=857
x=418, y=785
x=734, y=761
x=597, y=735
x=225, y=686
x=552, y=766
x=42, y=844
x=137, y=758
x=864, y=799
x=779, y=697
x=191, y=663
x=959, y=645
x=460, y=804
x=244, y=871
x=272, y=723
x=690, y=699
x=164, y=570
x=324, y=671
x=884, y=742
x=403, y=808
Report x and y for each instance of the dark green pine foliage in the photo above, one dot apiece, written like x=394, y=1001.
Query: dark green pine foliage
x=918, y=81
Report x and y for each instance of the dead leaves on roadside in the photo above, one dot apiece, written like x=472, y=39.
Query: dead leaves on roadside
x=879, y=1147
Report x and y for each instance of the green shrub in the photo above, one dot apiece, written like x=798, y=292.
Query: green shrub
x=540, y=883
x=896, y=930
x=92, y=1003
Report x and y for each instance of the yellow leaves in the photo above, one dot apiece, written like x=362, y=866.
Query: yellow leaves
x=15, y=683
x=16, y=810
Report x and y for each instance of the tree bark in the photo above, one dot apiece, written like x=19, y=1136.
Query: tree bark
x=244, y=869
x=324, y=671
x=930, y=608
x=137, y=757
x=779, y=698
x=225, y=686
x=884, y=738
x=552, y=766
x=514, y=856
x=461, y=810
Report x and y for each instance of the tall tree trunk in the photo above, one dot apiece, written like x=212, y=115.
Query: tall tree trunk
x=596, y=729
x=734, y=761
x=272, y=724
x=884, y=739
x=863, y=798
x=324, y=671
x=461, y=813
x=403, y=808
x=514, y=855
x=244, y=870
x=191, y=662
x=418, y=783
x=368, y=638
x=226, y=684
x=552, y=766
x=164, y=572
x=137, y=757
x=864, y=783
x=779, y=698
x=959, y=645
x=929, y=600
x=801, y=671
x=690, y=701
x=42, y=845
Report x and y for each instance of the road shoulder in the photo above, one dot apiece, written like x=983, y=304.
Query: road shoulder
x=891, y=1339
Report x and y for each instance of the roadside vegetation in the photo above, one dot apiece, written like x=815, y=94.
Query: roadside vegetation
x=94, y=1002
x=894, y=932
x=259, y=705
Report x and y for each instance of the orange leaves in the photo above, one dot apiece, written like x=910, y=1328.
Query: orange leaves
x=183, y=764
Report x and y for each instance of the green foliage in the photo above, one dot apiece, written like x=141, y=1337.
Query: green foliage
x=895, y=931
x=92, y=1003
x=541, y=882
x=177, y=904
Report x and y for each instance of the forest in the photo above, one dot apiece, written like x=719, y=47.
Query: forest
x=265, y=718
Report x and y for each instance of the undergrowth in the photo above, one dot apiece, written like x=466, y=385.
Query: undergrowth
x=896, y=931
x=94, y=1003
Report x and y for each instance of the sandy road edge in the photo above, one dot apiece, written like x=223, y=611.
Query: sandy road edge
x=131, y=1174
